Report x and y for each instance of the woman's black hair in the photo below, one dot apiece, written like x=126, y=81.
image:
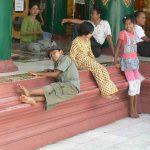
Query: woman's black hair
x=98, y=10
x=129, y=17
x=137, y=13
x=33, y=4
x=85, y=28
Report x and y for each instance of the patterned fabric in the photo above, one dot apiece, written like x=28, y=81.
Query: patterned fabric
x=82, y=55
x=131, y=64
x=127, y=2
x=105, y=2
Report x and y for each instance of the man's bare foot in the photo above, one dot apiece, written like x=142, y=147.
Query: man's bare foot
x=23, y=90
x=27, y=100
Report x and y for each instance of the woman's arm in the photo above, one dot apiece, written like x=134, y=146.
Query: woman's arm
x=110, y=42
x=77, y=21
x=117, y=53
x=146, y=39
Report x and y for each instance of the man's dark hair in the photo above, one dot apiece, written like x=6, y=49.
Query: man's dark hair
x=98, y=10
x=85, y=28
x=129, y=17
x=137, y=13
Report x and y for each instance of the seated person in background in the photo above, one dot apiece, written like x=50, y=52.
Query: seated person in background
x=101, y=32
x=31, y=32
x=82, y=55
x=143, y=45
x=66, y=87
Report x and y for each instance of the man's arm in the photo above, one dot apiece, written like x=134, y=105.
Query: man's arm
x=110, y=42
x=146, y=39
x=76, y=21
x=116, y=55
x=53, y=74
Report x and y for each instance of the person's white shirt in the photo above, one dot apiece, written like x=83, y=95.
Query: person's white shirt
x=101, y=31
x=139, y=33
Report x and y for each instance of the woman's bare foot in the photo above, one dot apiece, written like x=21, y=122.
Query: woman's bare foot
x=23, y=90
x=111, y=97
x=27, y=100
x=115, y=96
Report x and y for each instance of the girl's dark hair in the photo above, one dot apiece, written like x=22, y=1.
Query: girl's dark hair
x=129, y=17
x=137, y=13
x=98, y=10
x=85, y=28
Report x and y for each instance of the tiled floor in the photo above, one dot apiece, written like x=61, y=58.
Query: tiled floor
x=126, y=134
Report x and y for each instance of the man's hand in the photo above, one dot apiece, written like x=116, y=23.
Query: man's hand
x=118, y=65
x=33, y=73
x=64, y=21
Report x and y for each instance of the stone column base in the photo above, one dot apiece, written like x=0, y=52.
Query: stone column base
x=7, y=66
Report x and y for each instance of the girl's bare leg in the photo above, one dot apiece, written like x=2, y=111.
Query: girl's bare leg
x=131, y=106
x=136, y=115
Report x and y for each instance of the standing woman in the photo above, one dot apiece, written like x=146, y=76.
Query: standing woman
x=143, y=45
x=82, y=55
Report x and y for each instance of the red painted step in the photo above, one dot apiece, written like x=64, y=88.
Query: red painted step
x=26, y=127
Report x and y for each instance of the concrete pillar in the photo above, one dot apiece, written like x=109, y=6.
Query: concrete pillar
x=6, y=65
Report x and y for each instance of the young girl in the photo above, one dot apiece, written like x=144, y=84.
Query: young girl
x=129, y=62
